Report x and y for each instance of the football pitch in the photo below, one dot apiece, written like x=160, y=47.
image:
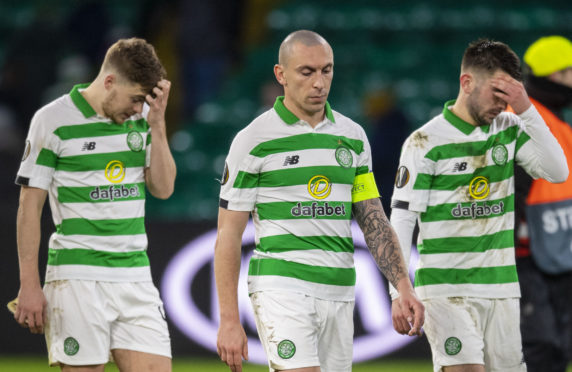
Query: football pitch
x=40, y=364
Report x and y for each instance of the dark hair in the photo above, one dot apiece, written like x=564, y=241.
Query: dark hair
x=135, y=60
x=489, y=55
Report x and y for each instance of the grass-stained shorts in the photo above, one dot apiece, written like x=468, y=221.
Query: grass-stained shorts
x=469, y=330
x=86, y=319
x=298, y=331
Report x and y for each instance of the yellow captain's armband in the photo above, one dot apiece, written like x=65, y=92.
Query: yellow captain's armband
x=364, y=188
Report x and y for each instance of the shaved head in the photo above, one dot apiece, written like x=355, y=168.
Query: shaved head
x=306, y=37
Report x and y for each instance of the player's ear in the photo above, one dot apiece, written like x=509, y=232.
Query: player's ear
x=467, y=82
x=279, y=73
x=109, y=81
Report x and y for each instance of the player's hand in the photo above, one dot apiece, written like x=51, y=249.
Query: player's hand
x=232, y=345
x=408, y=314
x=31, y=309
x=511, y=91
x=158, y=104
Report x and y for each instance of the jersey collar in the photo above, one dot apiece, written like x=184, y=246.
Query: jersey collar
x=82, y=105
x=289, y=118
x=459, y=123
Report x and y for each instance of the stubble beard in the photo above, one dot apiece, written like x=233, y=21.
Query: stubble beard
x=473, y=108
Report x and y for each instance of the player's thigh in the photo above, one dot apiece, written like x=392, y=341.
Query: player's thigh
x=78, y=323
x=288, y=328
x=453, y=328
x=336, y=335
x=503, y=344
x=140, y=325
x=135, y=361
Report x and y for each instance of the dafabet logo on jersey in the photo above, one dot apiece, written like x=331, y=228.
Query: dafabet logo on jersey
x=479, y=189
x=114, y=192
x=319, y=187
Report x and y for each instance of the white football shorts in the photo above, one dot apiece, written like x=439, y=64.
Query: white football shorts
x=469, y=330
x=299, y=331
x=87, y=319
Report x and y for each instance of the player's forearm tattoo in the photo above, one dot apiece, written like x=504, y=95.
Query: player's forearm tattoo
x=380, y=238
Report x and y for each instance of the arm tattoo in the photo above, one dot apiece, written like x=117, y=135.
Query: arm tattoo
x=381, y=239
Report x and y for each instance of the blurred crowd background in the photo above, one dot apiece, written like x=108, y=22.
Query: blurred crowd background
x=396, y=63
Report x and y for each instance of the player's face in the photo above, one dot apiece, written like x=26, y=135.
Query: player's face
x=123, y=101
x=308, y=76
x=563, y=77
x=482, y=104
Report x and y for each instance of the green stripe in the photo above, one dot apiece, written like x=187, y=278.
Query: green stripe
x=443, y=212
x=479, y=148
x=477, y=275
x=47, y=158
x=309, y=273
x=91, y=162
x=100, y=194
x=295, y=210
x=468, y=244
x=289, y=242
x=90, y=257
x=307, y=141
x=493, y=173
x=100, y=129
x=294, y=176
x=81, y=226
x=362, y=170
x=245, y=180
x=521, y=140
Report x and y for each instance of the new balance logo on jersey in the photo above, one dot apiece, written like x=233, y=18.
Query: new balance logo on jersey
x=459, y=167
x=291, y=160
x=88, y=146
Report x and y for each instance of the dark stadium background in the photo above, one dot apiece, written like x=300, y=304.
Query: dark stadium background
x=396, y=63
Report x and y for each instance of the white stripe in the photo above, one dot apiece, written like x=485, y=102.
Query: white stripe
x=98, y=273
x=313, y=257
x=303, y=227
x=117, y=243
x=93, y=178
x=467, y=227
x=103, y=211
x=103, y=145
x=319, y=157
x=506, y=290
x=490, y=258
x=339, y=192
x=498, y=190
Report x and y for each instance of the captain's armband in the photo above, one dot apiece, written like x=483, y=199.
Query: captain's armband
x=364, y=188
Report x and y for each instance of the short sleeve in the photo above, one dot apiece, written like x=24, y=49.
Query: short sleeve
x=40, y=155
x=414, y=177
x=364, y=162
x=240, y=179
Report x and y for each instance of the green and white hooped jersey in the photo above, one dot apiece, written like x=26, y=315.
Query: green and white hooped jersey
x=297, y=182
x=460, y=178
x=93, y=170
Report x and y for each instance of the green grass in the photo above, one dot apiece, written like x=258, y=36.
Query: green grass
x=39, y=364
